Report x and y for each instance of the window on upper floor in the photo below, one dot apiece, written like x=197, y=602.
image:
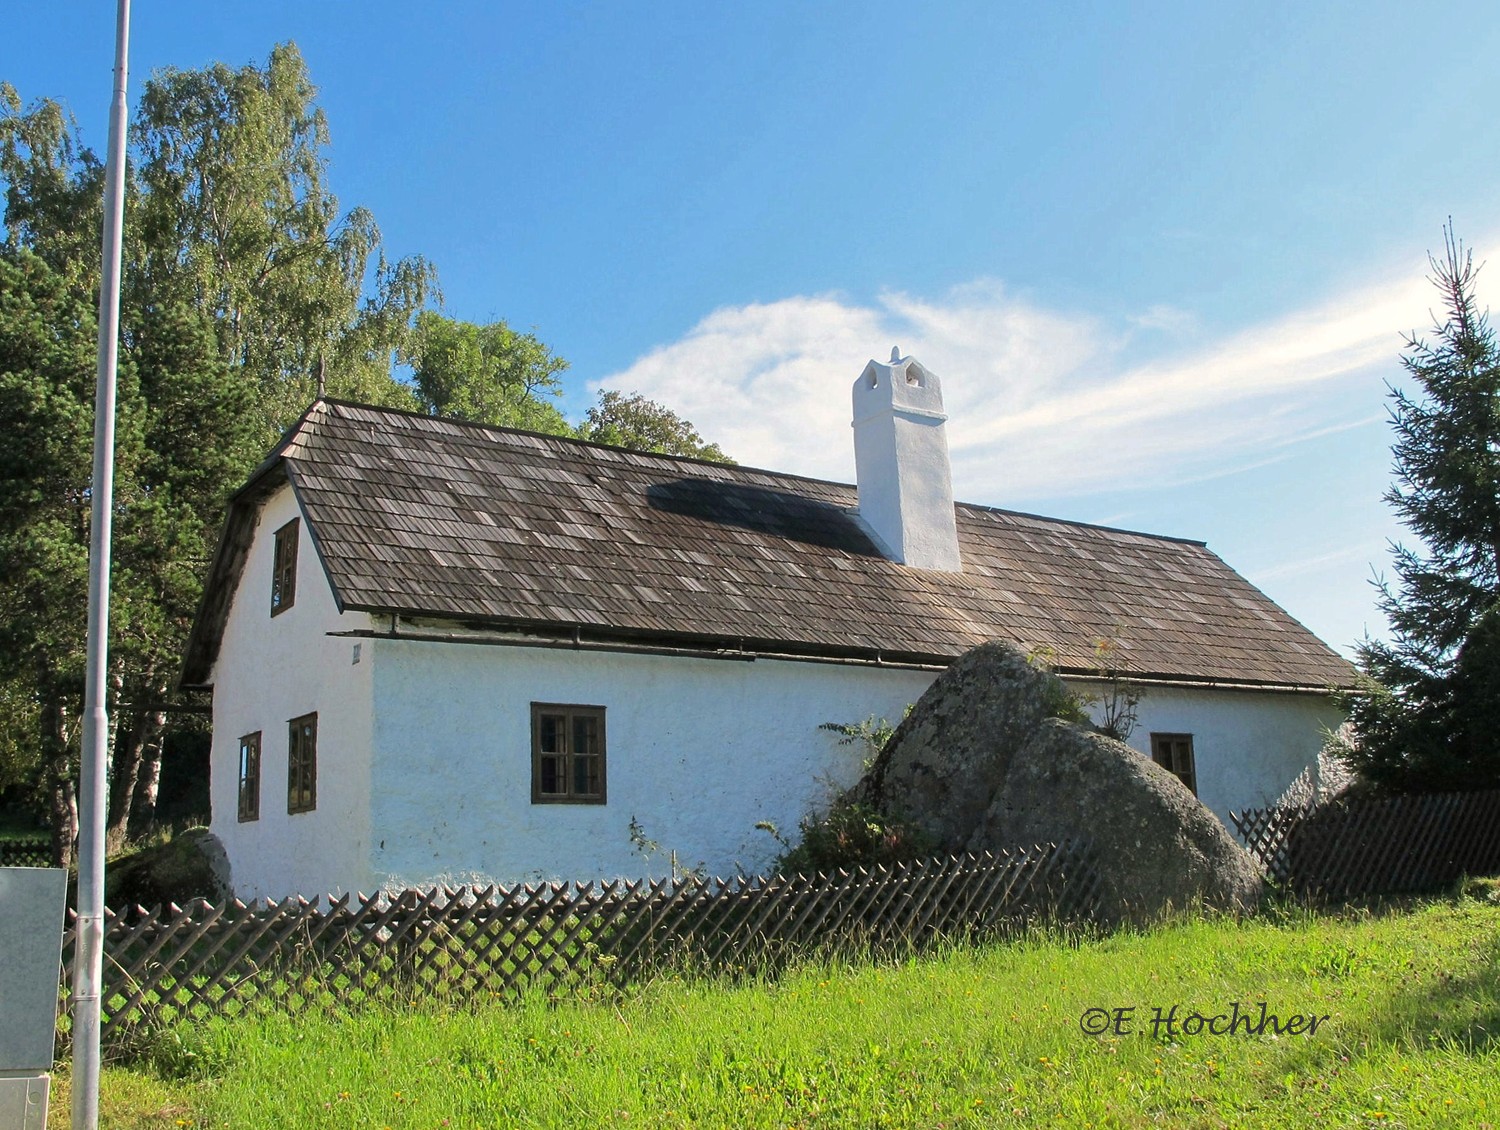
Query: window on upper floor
x=250, y=776
x=567, y=754
x=284, y=568
x=302, y=764
x=1174, y=753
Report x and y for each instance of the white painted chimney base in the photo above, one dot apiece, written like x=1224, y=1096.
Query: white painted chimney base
x=901, y=464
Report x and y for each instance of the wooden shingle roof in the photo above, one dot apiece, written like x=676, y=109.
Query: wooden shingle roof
x=425, y=517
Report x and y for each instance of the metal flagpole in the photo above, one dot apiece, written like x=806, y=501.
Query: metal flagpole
x=89, y=957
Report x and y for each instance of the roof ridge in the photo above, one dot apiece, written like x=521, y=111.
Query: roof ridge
x=727, y=467
x=504, y=430
x=1050, y=520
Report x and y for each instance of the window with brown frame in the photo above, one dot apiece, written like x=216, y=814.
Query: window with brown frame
x=1174, y=753
x=250, y=776
x=567, y=754
x=284, y=568
x=302, y=764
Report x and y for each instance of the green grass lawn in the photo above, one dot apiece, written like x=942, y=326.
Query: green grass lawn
x=969, y=1038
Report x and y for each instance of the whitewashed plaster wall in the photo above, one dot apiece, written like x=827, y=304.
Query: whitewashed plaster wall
x=269, y=671
x=698, y=752
x=1248, y=746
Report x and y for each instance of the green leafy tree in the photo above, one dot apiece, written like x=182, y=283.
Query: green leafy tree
x=20, y=770
x=235, y=219
x=1425, y=717
x=183, y=436
x=228, y=213
x=47, y=367
x=198, y=436
x=54, y=188
x=489, y=374
x=243, y=282
x=644, y=425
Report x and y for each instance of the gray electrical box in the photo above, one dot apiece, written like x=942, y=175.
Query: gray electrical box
x=33, y=901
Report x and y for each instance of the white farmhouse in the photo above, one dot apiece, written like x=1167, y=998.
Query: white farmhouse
x=440, y=650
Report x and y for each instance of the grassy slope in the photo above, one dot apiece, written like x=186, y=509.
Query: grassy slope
x=973, y=1038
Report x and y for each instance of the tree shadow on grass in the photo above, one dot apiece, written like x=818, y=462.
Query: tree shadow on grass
x=1461, y=1010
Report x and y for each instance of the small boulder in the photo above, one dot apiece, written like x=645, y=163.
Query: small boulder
x=947, y=759
x=1156, y=845
x=193, y=864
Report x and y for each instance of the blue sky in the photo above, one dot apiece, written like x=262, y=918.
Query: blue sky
x=1162, y=255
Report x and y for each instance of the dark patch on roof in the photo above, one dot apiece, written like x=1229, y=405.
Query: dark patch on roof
x=422, y=516
x=776, y=513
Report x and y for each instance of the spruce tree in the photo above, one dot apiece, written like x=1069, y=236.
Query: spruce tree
x=1426, y=718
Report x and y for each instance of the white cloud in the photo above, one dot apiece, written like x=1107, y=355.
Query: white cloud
x=1041, y=402
x=1169, y=319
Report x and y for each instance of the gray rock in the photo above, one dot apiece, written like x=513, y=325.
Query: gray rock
x=1156, y=845
x=993, y=757
x=191, y=865
x=949, y=757
x=215, y=859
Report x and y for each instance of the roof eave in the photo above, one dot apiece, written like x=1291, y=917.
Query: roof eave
x=228, y=560
x=632, y=638
x=224, y=573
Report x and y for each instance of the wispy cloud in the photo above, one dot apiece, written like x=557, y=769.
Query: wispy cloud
x=1170, y=319
x=1356, y=555
x=1041, y=402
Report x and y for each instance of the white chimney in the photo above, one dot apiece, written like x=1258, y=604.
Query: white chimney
x=901, y=464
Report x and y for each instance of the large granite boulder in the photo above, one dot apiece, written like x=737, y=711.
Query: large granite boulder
x=1156, y=845
x=997, y=754
x=947, y=759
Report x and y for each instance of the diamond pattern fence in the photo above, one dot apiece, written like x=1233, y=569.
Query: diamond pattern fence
x=199, y=961
x=1348, y=848
x=34, y=852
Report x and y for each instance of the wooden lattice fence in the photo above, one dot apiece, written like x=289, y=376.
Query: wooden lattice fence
x=199, y=960
x=34, y=852
x=1358, y=846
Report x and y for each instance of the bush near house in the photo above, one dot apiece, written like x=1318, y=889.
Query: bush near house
x=851, y=834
